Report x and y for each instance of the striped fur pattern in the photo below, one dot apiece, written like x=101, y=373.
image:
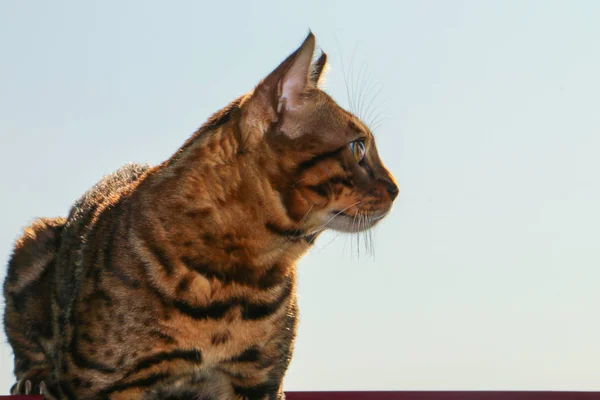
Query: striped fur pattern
x=178, y=281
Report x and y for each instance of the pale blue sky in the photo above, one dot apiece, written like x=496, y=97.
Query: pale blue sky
x=487, y=273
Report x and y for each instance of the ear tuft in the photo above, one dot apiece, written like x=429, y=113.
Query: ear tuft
x=319, y=69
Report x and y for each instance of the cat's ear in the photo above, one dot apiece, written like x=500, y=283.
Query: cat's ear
x=283, y=88
x=318, y=68
x=296, y=78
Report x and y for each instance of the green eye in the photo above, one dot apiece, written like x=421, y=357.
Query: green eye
x=357, y=148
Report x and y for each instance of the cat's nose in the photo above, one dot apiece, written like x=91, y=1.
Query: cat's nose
x=393, y=190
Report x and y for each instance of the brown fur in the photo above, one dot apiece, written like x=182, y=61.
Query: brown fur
x=178, y=281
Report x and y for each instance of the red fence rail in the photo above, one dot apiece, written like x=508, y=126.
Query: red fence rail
x=422, y=395
x=442, y=395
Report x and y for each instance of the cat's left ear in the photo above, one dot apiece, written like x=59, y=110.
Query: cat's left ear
x=297, y=77
x=283, y=88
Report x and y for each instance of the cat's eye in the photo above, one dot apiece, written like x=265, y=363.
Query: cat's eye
x=358, y=149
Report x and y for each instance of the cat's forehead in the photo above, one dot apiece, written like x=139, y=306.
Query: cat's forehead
x=350, y=124
x=357, y=127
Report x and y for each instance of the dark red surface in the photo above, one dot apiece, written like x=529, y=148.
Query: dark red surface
x=468, y=395
x=22, y=397
x=433, y=395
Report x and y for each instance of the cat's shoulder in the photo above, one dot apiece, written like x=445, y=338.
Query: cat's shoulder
x=109, y=186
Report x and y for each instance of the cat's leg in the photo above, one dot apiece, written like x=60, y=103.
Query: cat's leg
x=28, y=314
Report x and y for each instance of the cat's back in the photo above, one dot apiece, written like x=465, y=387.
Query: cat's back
x=44, y=237
x=83, y=218
x=83, y=212
x=109, y=187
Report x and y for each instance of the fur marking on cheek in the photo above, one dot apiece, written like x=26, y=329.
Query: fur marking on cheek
x=318, y=158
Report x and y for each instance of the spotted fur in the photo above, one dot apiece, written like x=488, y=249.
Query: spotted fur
x=178, y=281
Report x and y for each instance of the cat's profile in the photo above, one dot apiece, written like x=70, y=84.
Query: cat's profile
x=178, y=281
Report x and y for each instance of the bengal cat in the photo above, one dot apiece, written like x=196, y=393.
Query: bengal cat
x=178, y=281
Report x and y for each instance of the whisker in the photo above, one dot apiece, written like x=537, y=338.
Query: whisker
x=353, y=232
x=362, y=226
x=366, y=237
x=364, y=231
x=346, y=236
x=358, y=237
x=368, y=85
x=338, y=213
x=344, y=74
x=379, y=121
x=350, y=76
x=368, y=96
x=360, y=81
x=373, y=97
x=367, y=234
x=358, y=230
x=330, y=241
x=372, y=238
x=360, y=222
x=367, y=244
x=297, y=230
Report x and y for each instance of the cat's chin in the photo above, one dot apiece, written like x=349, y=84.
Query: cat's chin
x=342, y=222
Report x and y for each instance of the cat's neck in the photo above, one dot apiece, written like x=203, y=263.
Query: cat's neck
x=215, y=204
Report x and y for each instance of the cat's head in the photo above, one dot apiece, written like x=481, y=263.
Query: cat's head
x=289, y=148
x=328, y=170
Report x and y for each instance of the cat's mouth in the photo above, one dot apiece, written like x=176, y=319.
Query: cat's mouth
x=354, y=222
x=371, y=216
x=340, y=212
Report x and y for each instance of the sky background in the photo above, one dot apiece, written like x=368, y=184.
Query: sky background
x=486, y=274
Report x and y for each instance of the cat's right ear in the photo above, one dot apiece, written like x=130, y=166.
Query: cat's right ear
x=283, y=88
